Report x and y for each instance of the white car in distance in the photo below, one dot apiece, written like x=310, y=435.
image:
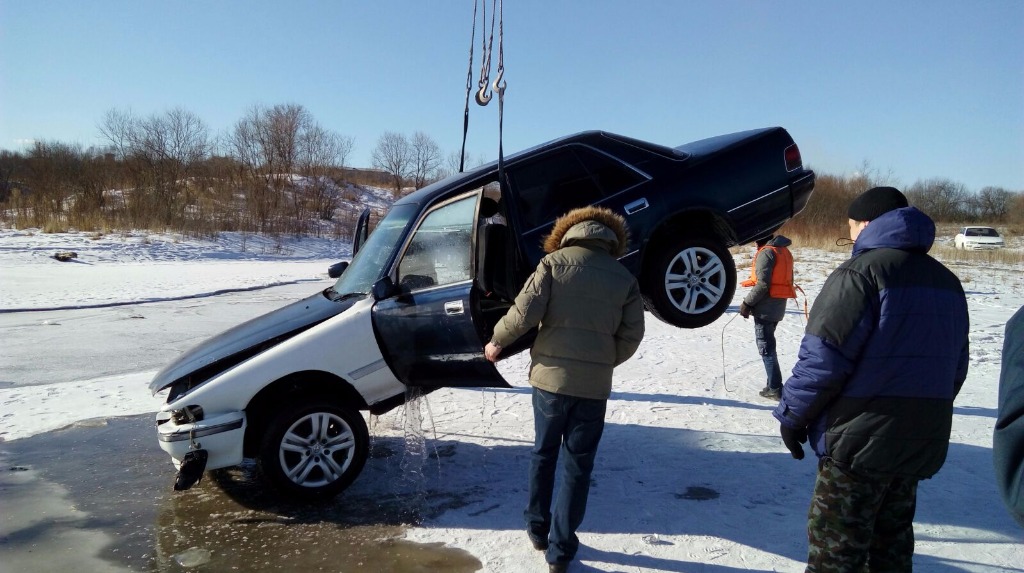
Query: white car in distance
x=978, y=238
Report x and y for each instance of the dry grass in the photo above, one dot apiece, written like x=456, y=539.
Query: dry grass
x=837, y=242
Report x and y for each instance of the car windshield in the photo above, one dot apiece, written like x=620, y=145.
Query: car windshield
x=981, y=232
x=366, y=266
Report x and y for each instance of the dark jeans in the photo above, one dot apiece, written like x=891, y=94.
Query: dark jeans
x=860, y=523
x=573, y=426
x=764, y=334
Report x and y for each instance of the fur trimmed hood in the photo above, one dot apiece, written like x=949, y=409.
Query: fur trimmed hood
x=589, y=224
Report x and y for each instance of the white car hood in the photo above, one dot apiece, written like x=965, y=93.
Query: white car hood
x=290, y=319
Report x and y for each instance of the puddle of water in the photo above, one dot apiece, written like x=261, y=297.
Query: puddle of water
x=114, y=510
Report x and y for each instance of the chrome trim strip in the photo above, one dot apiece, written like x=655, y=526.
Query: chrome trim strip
x=368, y=369
x=783, y=188
x=184, y=435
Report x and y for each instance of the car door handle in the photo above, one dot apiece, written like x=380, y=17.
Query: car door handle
x=636, y=206
x=453, y=307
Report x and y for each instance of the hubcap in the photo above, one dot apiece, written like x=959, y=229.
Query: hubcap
x=317, y=449
x=695, y=280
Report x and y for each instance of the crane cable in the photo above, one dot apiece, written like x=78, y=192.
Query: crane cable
x=482, y=95
x=499, y=86
x=469, y=88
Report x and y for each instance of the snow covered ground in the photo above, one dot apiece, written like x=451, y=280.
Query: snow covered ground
x=691, y=474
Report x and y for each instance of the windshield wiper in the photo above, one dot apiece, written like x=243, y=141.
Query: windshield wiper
x=335, y=297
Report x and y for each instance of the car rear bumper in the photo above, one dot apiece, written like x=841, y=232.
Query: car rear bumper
x=221, y=436
x=801, y=188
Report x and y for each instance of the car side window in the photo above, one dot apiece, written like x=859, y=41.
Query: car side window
x=439, y=251
x=552, y=185
x=611, y=175
x=566, y=179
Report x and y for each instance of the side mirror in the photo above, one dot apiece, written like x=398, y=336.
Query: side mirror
x=383, y=288
x=334, y=271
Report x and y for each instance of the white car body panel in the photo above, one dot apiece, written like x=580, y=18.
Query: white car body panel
x=343, y=345
x=294, y=316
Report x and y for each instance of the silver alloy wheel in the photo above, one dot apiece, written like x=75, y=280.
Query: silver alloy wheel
x=695, y=280
x=317, y=449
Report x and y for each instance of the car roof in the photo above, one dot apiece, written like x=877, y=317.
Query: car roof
x=596, y=138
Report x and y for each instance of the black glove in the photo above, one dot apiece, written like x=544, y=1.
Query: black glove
x=744, y=310
x=793, y=437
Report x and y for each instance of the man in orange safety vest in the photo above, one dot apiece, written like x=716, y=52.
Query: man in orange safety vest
x=771, y=282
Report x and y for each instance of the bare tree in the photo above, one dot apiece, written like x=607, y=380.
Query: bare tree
x=942, y=199
x=394, y=156
x=10, y=163
x=1015, y=214
x=322, y=153
x=426, y=159
x=162, y=152
x=272, y=145
x=992, y=204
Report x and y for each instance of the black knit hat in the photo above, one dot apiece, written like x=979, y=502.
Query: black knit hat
x=876, y=202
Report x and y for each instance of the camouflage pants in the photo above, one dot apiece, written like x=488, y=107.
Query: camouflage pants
x=860, y=523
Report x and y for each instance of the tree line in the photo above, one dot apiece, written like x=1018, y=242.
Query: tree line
x=944, y=200
x=277, y=170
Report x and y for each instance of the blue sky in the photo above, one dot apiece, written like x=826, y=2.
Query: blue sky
x=917, y=89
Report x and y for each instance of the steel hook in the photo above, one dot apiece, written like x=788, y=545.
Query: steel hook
x=499, y=82
x=482, y=97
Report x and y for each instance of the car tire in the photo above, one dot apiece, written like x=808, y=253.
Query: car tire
x=690, y=282
x=313, y=450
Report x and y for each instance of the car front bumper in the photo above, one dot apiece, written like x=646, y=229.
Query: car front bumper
x=221, y=436
x=982, y=246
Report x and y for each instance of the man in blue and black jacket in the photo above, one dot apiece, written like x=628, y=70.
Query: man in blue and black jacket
x=884, y=355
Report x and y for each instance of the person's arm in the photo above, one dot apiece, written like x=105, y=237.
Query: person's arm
x=526, y=312
x=841, y=322
x=631, y=329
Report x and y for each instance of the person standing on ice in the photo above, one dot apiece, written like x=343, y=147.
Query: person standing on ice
x=884, y=354
x=771, y=279
x=590, y=318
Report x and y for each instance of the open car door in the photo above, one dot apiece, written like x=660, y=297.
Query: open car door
x=362, y=230
x=427, y=318
x=358, y=238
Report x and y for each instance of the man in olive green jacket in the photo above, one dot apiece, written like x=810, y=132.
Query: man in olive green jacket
x=589, y=314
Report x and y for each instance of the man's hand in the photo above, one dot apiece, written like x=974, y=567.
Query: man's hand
x=744, y=310
x=793, y=437
x=491, y=351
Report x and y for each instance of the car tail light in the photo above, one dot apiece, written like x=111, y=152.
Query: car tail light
x=793, y=160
